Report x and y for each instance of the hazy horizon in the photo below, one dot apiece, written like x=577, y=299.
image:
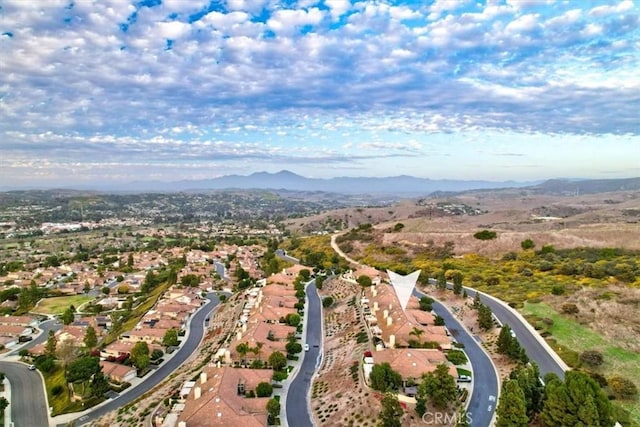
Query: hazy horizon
x=120, y=91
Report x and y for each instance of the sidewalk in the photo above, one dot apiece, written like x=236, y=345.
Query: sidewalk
x=7, y=395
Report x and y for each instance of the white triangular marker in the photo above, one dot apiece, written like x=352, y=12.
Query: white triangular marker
x=403, y=285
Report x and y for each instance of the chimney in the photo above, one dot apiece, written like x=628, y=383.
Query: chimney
x=389, y=321
x=239, y=336
x=390, y=306
x=244, y=326
x=182, y=424
x=197, y=392
x=375, y=306
x=227, y=357
x=203, y=377
x=385, y=314
x=374, y=291
x=392, y=340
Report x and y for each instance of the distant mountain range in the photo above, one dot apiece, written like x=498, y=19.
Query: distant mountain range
x=394, y=186
x=286, y=180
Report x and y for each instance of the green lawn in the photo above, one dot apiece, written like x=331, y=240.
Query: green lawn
x=57, y=305
x=570, y=338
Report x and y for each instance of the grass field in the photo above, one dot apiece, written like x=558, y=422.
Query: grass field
x=569, y=334
x=57, y=305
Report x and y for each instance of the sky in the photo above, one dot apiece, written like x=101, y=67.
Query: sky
x=116, y=91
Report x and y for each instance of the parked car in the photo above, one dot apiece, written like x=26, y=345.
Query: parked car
x=31, y=367
x=306, y=347
x=464, y=379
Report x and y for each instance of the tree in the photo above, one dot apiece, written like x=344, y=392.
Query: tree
x=485, y=317
x=99, y=384
x=391, y=413
x=438, y=320
x=170, y=338
x=66, y=351
x=512, y=408
x=319, y=282
x=293, y=347
x=273, y=409
x=426, y=303
x=293, y=319
x=457, y=278
x=50, y=346
x=277, y=361
x=384, y=378
x=485, y=235
x=577, y=401
x=417, y=332
x=439, y=386
x=528, y=378
x=264, y=389
x=140, y=355
x=242, y=349
x=527, y=244
x=441, y=280
x=327, y=301
x=257, y=349
x=106, y=290
x=82, y=369
x=4, y=404
x=67, y=316
x=364, y=281
x=90, y=337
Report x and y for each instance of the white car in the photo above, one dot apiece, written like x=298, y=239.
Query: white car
x=306, y=347
x=31, y=367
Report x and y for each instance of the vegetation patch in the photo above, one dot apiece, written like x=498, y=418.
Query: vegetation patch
x=57, y=305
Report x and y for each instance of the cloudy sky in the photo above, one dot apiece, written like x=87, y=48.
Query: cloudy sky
x=119, y=90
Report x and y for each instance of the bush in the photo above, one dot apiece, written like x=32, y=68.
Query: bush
x=485, y=235
x=264, y=389
x=570, y=308
x=557, y=290
x=456, y=357
x=327, y=302
x=591, y=358
x=623, y=388
x=57, y=389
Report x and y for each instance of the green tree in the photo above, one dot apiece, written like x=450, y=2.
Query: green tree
x=527, y=244
x=512, y=408
x=90, y=337
x=364, y=281
x=485, y=317
x=99, y=384
x=327, y=301
x=293, y=319
x=4, y=404
x=441, y=280
x=264, y=389
x=485, y=235
x=67, y=316
x=243, y=349
x=564, y=401
x=140, y=355
x=170, y=338
x=273, y=409
x=391, y=413
x=277, y=361
x=457, y=278
x=293, y=347
x=438, y=386
x=426, y=303
x=82, y=369
x=384, y=378
x=417, y=332
x=528, y=378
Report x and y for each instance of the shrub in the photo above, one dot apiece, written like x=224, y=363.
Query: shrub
x=456, y=357
x=264, y=389
x=57, y=389
x=485, y=235
x=570, y=308
x=591, y=358
x=622, y=388
x=327, y=302
x=557, y=290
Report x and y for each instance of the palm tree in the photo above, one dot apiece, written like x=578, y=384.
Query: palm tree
x=243, y=349
x=257, y=349
x=417, y=332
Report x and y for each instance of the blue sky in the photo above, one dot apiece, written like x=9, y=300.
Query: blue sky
x=119, y=90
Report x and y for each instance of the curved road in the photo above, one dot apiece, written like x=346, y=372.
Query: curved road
x=535, y=346
x=28, y=404
x=196, y=332
x=297, y=404
x=483, y=401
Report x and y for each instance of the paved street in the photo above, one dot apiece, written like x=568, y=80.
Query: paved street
x=28, y=405
x=483, y=400
x=297, y=404
x=196, y=332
